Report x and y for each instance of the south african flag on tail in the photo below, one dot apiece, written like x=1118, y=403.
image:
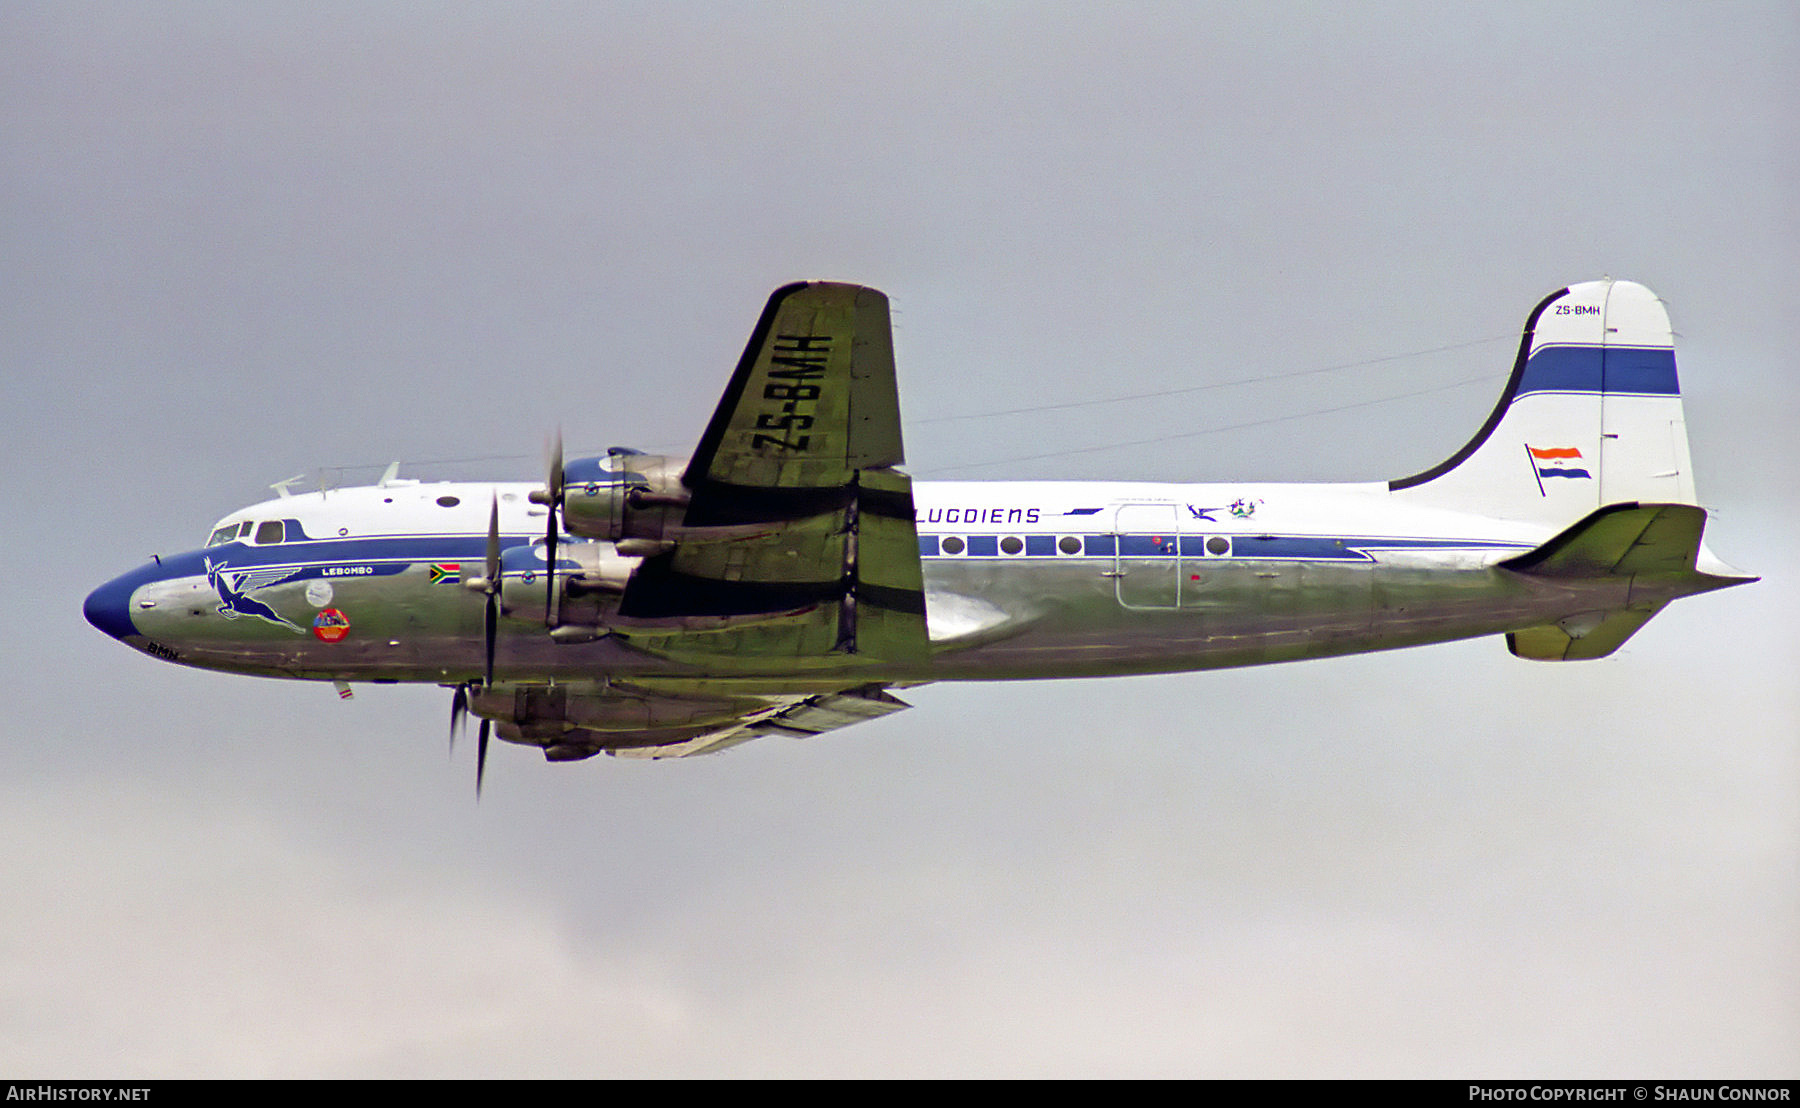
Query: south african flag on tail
x=1563, y=462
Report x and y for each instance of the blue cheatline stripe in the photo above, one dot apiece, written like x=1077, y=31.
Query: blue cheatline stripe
x=1306, y=547
x=1634, y=370
x=1146, y=546
x=380, y=556
x=422, y=548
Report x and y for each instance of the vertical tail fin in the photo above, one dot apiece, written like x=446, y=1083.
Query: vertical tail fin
x=1590, y=417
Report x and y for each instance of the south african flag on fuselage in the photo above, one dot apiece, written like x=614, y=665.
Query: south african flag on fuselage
x=446, y=573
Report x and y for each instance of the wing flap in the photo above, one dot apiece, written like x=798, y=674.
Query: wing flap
x=889, y=579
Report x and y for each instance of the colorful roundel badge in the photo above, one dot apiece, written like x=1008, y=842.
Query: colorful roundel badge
x=330, y=625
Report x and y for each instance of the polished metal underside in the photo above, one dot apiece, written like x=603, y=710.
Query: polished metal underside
x=1011, y=620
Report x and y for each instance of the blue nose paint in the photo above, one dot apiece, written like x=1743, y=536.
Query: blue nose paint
x=109, y=606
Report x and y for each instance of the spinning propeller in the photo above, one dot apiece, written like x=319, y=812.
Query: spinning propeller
x=488, y=583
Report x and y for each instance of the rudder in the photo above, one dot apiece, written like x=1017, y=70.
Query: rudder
x=1591, y=416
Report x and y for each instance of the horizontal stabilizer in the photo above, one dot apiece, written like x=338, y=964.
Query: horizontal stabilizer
x=1579, y=638
x=1621, y=539
x=1654, y=547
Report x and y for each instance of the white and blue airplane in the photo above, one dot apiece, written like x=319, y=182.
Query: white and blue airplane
x=787, y=576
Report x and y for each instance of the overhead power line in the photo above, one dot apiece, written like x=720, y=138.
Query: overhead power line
x=1186, y=390
x=1489, y=378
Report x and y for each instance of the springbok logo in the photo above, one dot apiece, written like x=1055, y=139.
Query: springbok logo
x=234, y=587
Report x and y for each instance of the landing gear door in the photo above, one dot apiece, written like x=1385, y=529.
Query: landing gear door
x=1147, y=564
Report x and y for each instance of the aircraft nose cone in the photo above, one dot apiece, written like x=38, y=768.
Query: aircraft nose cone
x=109, y=608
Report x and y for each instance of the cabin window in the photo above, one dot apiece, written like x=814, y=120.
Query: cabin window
x=1011, y=544
x=953, y=545
x=1069, y=544
x=269, y=531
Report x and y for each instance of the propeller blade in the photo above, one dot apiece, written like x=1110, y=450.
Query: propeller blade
x=554, y=485
x=552, y=612
x=491, y=621
x=459, y=714
x=481, y=745
x=493, y=547
x=490, y=627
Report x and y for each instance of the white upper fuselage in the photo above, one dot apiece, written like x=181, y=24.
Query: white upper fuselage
x=353, y=520
x=943, y=509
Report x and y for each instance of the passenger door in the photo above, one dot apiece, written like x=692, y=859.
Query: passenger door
x=1147, y=558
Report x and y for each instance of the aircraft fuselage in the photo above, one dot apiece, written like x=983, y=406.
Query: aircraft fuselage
x=788, y=574
x=1023, y=580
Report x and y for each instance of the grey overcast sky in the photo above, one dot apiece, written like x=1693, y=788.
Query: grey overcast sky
x=245, y=241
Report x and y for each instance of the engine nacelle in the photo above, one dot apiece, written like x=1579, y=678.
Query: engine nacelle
x=590, y=579
x=623, y=494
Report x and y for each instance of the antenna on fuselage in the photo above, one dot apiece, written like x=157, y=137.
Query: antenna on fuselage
x=388, y=474
x=282, y=486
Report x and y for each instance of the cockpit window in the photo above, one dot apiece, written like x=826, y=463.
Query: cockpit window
x=223, y=535
x=269, y=531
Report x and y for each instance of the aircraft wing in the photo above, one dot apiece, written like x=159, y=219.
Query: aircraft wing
x=667, y=718
x=813, y=551
x=813, y=401
x=793, y=717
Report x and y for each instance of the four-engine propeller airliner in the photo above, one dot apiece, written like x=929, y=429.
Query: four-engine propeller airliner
x=787, y=576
